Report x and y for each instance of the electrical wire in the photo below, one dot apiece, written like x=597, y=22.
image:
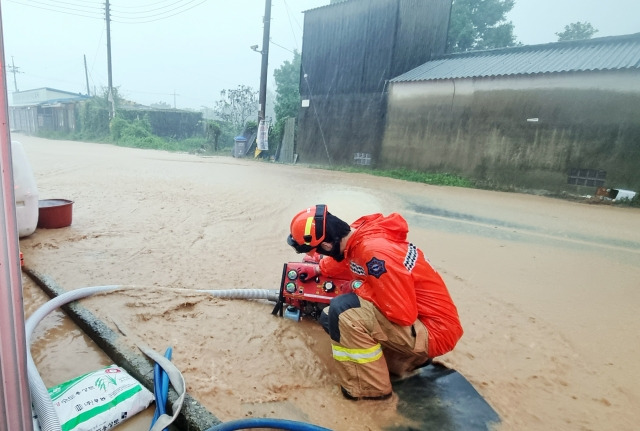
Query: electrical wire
x=289, y=17
x=60, y=9
x=97, y=10
x=160, y=16
x=280, y=46
x=153, y=6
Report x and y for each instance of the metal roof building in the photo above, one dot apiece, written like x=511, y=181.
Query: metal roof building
x=606, y=53
x=558, y=117
x=44, y=95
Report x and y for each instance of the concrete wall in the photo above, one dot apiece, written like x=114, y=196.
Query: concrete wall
x=524, y=132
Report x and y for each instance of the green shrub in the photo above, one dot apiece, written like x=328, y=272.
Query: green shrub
x=440, y=179
x=635, y=202
x=116, y=127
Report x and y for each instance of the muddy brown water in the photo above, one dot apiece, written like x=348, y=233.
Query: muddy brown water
x=547, y=289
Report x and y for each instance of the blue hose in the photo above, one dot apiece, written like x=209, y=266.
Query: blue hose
x=279, y=424
x=161, y=391
x=160, y=388
x=157, y=393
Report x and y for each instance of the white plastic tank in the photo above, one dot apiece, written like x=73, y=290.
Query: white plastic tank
x=25, y=190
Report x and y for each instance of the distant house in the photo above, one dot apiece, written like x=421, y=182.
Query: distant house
x=43, y=109
x=552, y=116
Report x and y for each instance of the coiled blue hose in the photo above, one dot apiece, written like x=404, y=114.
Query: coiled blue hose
x=160, y=388
x=279, y=424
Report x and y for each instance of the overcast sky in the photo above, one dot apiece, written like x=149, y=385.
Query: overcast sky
x=187, y=51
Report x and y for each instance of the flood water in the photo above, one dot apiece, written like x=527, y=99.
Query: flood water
x=546, y=289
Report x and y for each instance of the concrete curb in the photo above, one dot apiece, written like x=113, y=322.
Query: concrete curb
x=193, y=416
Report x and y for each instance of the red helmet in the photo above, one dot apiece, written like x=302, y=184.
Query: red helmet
x=308, y=229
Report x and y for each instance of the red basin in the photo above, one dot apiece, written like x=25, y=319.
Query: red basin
x=54, y=213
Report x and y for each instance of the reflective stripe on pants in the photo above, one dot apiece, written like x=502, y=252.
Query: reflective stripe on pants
x=371, y=347
x=359, y=356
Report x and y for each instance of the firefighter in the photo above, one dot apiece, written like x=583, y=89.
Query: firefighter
x=397, y=320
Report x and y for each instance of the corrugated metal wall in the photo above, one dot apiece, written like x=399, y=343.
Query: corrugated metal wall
x=421, y=35
x=334, y=128
x=23, y=120
x=350, y=50
x=34, y=119
x=347, y=48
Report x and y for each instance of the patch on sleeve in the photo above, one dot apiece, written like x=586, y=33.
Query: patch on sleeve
x=376, y=267
x=356, y=269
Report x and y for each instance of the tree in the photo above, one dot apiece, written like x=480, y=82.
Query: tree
x=576, y=31
x=480, y=24
x=213, y=130
x=287, y=79
x=93, y=115
x=237, y=106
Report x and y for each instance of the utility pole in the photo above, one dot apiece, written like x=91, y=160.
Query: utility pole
x=263, y=131
x=174, y=99
x=86, y=75
x=14, y=70
x=112, y=112
x=265, y=60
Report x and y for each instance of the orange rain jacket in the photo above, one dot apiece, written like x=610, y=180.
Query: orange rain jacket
x=398, y=279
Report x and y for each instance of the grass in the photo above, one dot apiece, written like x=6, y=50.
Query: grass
x=438, y=179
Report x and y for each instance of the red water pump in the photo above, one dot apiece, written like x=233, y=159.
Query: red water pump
x=301, y=298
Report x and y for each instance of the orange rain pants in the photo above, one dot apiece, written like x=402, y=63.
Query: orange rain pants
x=368, y=347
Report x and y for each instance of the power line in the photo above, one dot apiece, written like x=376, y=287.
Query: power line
x=95, y=56
x=154, y=7
x=64, y=10
x=84, y=6
x=96, y=10
x=157, y=17
x=292, y=32
x=280, y=46
x=153, y=4
x=295, y=38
